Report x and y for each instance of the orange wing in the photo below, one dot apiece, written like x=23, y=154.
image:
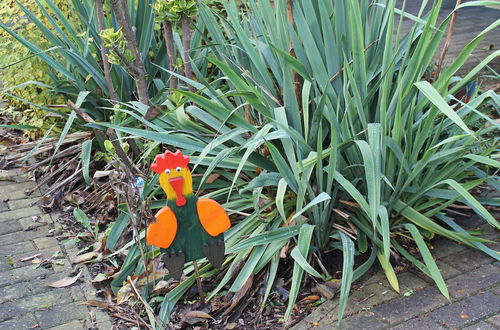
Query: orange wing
x=212, y=216
x=162, y=232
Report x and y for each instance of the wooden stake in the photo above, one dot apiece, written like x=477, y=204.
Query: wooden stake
x=198, y=282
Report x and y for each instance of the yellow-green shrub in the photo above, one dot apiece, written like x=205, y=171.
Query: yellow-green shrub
x=30, y=69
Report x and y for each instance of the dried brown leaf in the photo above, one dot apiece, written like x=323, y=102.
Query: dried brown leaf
x=67, y=281
x=212, y=177
x=198, y=314
x=85, y=257
x=351, y=204
x=239, y=295
x=341, y=213
x=160, y=286
x=311, y=298
x=98, y=303
x=124, y=294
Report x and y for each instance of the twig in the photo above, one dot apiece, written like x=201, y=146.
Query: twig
x=130, y=65
x=198, y=282
x=146, y=305
x=366, y=298
x=238, y=212
x=447, y=41
x=86, y=117
x=64, y=153
x=49, y=176
x=338, y=73
x=289, y=8
x=114, y=139
x=323, y=268
x=130, y=320
x=120, y=152
x=62, y=183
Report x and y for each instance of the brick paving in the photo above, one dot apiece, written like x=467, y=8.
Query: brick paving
x=26, y=300
x=473, y=280
x=470, y=22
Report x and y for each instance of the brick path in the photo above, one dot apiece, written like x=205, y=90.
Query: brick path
x=469, y=23
x=473, y=280
x=26, y=302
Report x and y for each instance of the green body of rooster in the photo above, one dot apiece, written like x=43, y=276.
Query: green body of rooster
x=189, y=228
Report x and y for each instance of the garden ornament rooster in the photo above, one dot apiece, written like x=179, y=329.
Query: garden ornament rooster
x=189, y=228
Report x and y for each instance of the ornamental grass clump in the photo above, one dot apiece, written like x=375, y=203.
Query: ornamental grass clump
x=312, y=123
x=327, y=135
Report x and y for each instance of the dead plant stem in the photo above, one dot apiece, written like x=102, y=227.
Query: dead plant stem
x=447, y=41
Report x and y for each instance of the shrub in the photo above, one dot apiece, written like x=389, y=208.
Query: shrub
x=321, y=130
x=20, y=67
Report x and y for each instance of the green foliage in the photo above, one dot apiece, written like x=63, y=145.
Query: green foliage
x=20, y=67
x=172, y=10
x=114, y=40
x=323, y=132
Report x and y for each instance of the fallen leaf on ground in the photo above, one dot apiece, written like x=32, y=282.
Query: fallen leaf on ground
x=84, y=257
x=311, y=298
x=160, y=286
x=198, y=314
x=231, y=326
x=239, y=295
x=408, y=293
x=36, y=261
x=124, y=294
x=194, y=317
x=67, y=281
x=97, y=303
x=464, y=316
x=99, y=278
x=101, y=174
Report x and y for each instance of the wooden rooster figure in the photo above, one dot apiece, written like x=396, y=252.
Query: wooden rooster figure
x=189, y=228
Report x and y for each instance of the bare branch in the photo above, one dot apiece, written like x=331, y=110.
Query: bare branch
x=104, y=54
x=120, y=9
x=169, y=44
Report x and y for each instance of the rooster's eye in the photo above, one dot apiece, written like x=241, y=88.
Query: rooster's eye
x=167, y=171
x=178, y=168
